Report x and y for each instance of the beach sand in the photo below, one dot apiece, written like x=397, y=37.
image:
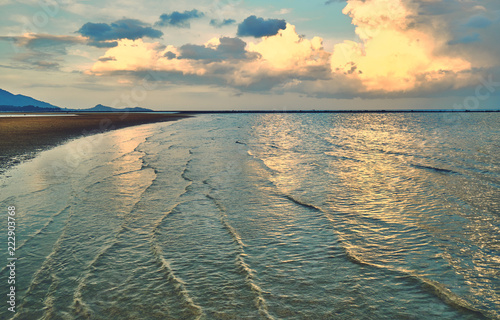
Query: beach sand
x=21, y=137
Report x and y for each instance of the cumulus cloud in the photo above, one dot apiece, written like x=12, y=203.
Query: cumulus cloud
x=403, y=47
x=285, y=60
x=137, y=56
x=100, y=44
x=282, y=60
x=105, y=59
x=455, y=22
x=289, y=51
x=221, y=49
x=395, y=54
x=222, y=23
x=170, y=55
x=179, y=19
x=101, y=35
x=258, y=27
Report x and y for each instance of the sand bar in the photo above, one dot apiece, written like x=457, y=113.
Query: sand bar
x=22, y=137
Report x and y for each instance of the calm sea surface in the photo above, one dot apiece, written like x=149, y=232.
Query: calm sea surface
x=262, y=216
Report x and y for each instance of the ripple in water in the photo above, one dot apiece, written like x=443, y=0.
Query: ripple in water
x=271, y=216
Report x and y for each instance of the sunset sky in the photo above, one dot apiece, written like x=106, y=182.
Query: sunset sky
x=233, y=54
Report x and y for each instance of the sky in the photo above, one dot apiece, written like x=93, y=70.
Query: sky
x=235, y=54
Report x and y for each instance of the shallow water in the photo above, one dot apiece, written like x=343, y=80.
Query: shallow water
x=272, y=216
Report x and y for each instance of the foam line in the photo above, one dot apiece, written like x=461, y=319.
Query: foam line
x=260, y=301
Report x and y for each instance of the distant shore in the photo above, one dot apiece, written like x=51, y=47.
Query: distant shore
x=21, y=137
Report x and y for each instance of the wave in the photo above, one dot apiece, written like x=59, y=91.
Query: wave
x=434, y=169
x=438, y=289
x=158, y=223
x=45, y=269
x=185, y=172
x=49, y=308
x=39, y=231
x=248, y=272
x=434, y=287
x=79, y=306
x=164, y=264
x=302, y=203
x=331, y=154
x=45, y=227
x=178, y=284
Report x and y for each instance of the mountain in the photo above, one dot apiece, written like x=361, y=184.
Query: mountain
x=18, y=103
x=18, y=100
x=28, y=109
x=101, y=108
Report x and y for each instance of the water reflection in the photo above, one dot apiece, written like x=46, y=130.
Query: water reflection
x=308, y=217
x=396, y=188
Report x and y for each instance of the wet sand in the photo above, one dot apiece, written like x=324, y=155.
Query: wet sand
x=23, y=136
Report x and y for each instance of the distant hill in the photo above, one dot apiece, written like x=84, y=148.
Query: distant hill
x=18, y=103
x=18, y=100
x=101, y=108
x=28, y=109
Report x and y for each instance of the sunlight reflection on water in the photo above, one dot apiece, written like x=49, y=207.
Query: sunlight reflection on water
x=303, y=216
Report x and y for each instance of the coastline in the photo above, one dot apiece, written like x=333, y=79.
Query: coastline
x=22, y=137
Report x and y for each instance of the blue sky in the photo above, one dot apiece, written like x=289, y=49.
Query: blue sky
x=234, y=54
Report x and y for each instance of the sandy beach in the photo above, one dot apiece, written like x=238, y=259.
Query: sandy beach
x=22, y=136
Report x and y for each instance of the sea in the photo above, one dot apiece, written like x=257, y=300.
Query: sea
x=260, y=216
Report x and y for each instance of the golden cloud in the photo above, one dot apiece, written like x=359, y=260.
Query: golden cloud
x=393, y=55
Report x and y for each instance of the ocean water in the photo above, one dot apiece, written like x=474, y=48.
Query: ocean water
x=262, y=216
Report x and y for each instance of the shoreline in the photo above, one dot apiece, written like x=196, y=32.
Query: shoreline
x=22, y=138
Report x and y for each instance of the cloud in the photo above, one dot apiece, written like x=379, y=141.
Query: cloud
x=223, y=23
x=139, y=56
x=179, y=19
x=400, y=50
x=37, y=60
x=45, y=42
x=285, y=60
x=46, y=65
x=170, y=55
x=102, y=44
x=100, y=34
x=258, y=27
x=105, y=59
x=454, y=22
x=42, y=51
x=396, y=53
x=221, y=49
x=279, y=61
x=291, y=52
